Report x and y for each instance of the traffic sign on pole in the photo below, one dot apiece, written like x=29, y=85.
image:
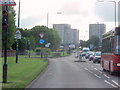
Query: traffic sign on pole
x=41, y=35
x=41, y=41
x=17, y=34
x=7, y=3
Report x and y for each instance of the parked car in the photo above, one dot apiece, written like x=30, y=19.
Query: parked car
x=97, y=57
x=88, y=54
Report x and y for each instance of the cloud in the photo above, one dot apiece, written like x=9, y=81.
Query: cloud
x=29, y=21
x=105, y=11
x=71, y=8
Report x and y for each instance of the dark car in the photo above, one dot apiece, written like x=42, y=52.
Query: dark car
x=88, y=54
x=97, y=57
x=91, y=57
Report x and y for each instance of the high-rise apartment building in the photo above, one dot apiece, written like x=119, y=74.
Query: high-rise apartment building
x=119, y=13
x=97, y=30
x=68, y=35
x=75, y=36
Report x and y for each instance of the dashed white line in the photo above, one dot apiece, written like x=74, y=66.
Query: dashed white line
x=95, y=68
x=97, y=76
x=115, y=83
x=100, y=72
x=90, y=71
x=85, y=68
x=110, y=83
x=106, y=76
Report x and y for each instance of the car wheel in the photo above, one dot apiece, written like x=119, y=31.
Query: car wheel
x=104, y=69
x=112, y=73
x=93, y=61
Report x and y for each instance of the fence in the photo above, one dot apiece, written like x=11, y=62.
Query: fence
x=9, y=53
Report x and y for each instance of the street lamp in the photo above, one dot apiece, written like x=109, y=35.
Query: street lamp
x=48, y=17
x=115, y=8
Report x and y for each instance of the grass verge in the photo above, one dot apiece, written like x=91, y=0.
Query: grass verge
x=22, y=73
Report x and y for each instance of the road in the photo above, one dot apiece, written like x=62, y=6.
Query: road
x=64, y=72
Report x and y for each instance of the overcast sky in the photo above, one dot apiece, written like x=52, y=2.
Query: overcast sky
x=78, y=13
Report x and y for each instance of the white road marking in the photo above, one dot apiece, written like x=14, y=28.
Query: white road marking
x=106, y=76
x=95, y=68
x=115, y=83
x=90, y=71
x=97, y=76
x=100, y=72
x=110, y=83
x=85, y=68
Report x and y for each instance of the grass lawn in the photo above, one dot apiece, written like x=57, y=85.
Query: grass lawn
x=21, y=74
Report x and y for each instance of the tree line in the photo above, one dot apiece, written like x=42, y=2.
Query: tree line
x=94, y=41
x=30, y=37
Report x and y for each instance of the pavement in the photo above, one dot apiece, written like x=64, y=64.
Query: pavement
x=64, y=72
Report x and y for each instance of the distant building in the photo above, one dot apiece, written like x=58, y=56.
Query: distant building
x=119, y=13
x=75, y=36
x=68, y=35
x=97, y=30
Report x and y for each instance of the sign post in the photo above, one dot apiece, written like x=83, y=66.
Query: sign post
x=17, y=36
x=5, y=27
x=41, y=41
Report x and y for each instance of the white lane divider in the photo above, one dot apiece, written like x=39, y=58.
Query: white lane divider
x=90, y=71
x=95, y=68
x=115, y=83
x=97, y=76
x=106, y=76
x=100, y=72
x=110, y=83
x=85, y=68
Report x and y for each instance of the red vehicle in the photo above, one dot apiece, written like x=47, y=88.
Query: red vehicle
x=110, y=59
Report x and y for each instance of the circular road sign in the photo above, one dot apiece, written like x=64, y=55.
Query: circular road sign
x=41, y=41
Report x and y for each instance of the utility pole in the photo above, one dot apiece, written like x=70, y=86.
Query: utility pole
x=5, y=26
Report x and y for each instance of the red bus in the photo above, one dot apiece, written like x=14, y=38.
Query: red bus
x=110, y=59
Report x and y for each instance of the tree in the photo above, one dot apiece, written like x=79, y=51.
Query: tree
x=94, y=40
x=83, y=43
x=54, y=39
x=26, y=41
x=50, y=36
x=11, y=29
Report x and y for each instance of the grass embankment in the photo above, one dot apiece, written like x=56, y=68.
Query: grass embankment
x=22, y=73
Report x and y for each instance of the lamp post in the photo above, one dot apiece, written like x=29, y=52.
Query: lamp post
x=48, y=17
x=115, y=3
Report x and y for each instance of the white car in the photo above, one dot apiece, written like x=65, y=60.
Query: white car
x=97, y=57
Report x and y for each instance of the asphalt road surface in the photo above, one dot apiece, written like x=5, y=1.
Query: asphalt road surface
x=64, y=72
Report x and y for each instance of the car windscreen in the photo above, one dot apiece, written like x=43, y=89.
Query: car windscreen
x=98, y=54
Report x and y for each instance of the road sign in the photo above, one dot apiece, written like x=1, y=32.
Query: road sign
x=7, y=3
x=46, y=45
x=41, y=41
x=41, y=35
x=17, y=34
